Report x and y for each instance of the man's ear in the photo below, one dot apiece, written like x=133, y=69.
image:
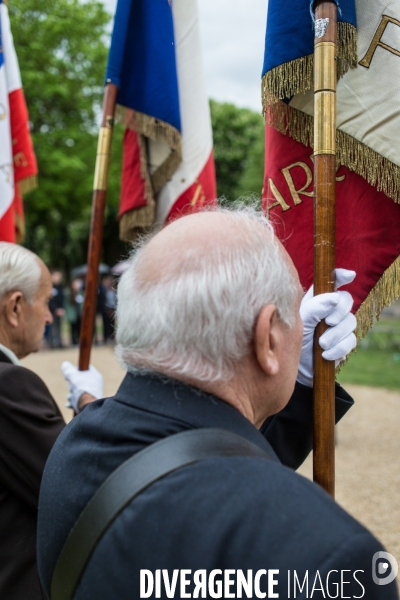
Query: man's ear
x=13, y=308
x=268, y=339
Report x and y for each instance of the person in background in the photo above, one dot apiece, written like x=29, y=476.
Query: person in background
x=74, y=308
x=108, y=305
x=56, y=306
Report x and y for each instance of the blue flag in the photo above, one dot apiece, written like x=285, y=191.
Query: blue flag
x=142, y=59
x=155, y=60
x=289, y=47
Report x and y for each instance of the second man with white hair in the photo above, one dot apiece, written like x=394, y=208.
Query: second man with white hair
x=30, y=420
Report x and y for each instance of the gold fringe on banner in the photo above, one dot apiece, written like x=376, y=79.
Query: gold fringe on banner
x=356, y=156
x=28, y=184
x=373, y=167
x=165, y=170
x=346, y=48
x=144, y=171
x=19, y=228
x=156, y=130
x=286, y=80
x=137, y=220
x=292, y=122
x=149, y=126
x=297, y=76
x=386, y=291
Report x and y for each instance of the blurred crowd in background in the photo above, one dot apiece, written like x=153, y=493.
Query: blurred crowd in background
x=66, y=306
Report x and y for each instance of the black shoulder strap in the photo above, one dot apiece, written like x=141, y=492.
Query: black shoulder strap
x=129, y=480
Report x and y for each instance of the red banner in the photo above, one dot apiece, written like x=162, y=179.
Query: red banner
x=25, y=167
x=200, y=193
x=367, y=221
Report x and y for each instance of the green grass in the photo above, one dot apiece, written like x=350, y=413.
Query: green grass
x=376, y=368
x=383, y=323
x=377, y=360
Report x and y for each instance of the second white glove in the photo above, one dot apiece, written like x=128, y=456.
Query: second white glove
x=339, y=339
x=90, y=381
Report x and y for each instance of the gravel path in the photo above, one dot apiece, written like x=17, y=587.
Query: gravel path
x=368, y=443
x=368, y=463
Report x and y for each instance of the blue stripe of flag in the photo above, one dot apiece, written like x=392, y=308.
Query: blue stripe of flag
x=290, y=30
x=1, y=43
x=142, y=60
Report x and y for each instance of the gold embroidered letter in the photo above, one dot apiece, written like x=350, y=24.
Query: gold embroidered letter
x=280, y=200
x=199, y=196
x=289, y=180
x=20, y=160
x=376, y=41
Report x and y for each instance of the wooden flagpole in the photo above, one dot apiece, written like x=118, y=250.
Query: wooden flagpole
x=96, y=225
x=324, y=232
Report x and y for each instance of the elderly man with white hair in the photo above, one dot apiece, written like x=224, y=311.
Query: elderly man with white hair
x=30, y=421
x=179, y=486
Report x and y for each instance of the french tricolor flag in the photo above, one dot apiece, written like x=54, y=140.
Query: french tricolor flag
x=155, y=60
x=18, y=166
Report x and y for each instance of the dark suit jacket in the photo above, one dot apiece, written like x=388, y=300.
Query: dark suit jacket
x=30, y=422
x=220, y=513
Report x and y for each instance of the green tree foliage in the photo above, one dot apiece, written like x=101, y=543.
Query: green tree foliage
x=252, y=179
x=238, y=150
x=62, y=50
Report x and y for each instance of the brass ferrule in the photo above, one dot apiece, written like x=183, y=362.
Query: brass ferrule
x=325, y=66
x=102, y=159
x=325, y=123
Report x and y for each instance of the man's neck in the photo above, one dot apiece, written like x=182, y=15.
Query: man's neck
x=8, y=339
x=234, y=395
x=243, y=392
x=233, y=392
x=10, y=354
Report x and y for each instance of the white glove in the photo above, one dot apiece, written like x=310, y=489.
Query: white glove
x=90, y=381
x=339, y=339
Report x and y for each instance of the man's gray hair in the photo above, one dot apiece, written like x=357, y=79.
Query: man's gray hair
x=197, y=323
x=19, y=271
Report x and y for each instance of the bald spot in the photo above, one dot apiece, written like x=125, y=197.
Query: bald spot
x=186, y=240
x=189, y=238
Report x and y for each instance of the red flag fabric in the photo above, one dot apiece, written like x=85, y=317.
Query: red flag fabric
x=133, y=185
x=25, y=166
x=7, y=226
x=367, y=222
x=199, y=194
x=18, y=166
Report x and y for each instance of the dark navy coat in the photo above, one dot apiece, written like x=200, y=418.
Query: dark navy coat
x=220, y=513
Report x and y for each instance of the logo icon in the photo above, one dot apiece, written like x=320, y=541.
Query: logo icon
x=385, y=564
